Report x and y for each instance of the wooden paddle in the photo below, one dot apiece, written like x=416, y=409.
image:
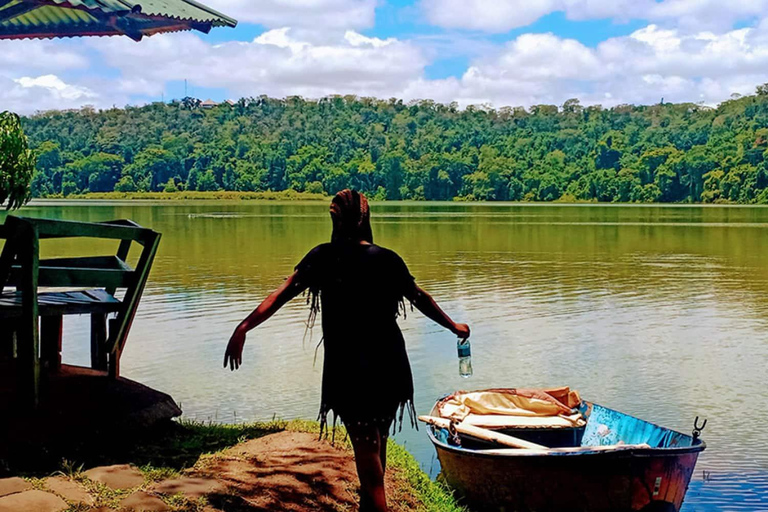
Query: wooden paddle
x=483, y=433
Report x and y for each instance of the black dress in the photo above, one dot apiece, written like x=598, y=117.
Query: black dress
x=366, y=373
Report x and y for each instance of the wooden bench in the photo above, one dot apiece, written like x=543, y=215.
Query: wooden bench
x=34, y=317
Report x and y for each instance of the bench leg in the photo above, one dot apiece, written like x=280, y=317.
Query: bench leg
x=28, y=334
x=99, y=341
x=8, y=340
x=114, y=364
x=28, y=363
x=114, y=357
x=7, y=354
x=50, y=342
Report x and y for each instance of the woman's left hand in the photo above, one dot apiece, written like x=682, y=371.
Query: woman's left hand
x=234, y=353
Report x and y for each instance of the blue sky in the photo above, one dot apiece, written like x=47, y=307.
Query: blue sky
x=491, y=52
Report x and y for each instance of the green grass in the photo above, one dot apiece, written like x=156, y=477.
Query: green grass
x=157, y=474
x=434, y=496
x=285, y=195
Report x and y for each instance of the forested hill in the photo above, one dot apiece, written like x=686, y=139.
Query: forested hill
x=420, y=150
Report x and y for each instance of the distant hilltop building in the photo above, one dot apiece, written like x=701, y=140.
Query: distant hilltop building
x=194, y=103
x=209, y=103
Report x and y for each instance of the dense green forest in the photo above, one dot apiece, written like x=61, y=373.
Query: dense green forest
x=419, y=150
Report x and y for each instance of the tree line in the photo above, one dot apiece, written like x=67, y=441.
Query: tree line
x=420, y=150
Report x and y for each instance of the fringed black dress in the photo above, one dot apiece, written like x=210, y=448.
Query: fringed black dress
x=366, y=373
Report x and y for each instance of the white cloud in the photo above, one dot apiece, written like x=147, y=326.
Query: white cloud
x=653, y=62
x=26, y=84
x=46, y=92
x=501, y=16
x=27, y=55
x=487, y=15
x=641, y=68
x=57, y=86
x=320, y=15
x=713, y=14
x=276, y=63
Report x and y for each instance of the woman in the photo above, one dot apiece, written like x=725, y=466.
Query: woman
x=367, y=379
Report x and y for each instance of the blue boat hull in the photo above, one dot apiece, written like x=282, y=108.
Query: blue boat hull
x=624, y=479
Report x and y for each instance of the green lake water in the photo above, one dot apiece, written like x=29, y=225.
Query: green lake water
x=661, y=312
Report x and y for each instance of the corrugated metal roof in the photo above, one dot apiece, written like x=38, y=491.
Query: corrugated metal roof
x=47, y=15
x=179, y=9
x=135, y=18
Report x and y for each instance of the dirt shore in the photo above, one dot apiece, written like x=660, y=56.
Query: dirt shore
x=287, y=470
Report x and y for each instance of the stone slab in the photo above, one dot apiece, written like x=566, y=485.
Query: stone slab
x=120, y=477
x=13, y=485
x=191, y=487
x=140, y=501
x=39, y=501
x=69, y=490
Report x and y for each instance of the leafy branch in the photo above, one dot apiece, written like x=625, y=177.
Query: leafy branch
x=17, y=162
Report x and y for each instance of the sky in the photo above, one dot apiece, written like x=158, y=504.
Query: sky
x=473, y=52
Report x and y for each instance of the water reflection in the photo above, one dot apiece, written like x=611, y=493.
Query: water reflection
x=658, y=311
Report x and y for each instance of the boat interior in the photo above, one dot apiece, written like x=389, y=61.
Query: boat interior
x=570, y=425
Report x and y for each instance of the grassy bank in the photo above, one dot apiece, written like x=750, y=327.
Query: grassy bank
x=168, y=450
x=285, y=195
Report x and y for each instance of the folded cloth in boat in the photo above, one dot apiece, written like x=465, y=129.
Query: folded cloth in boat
x=507, y=407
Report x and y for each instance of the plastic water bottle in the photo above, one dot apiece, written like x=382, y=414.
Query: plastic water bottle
x=465, y=358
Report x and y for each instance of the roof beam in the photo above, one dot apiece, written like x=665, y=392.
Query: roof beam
x=49, y=33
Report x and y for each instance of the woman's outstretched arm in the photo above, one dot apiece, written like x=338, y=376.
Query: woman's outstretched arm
x=233, y=356
x=427, y=305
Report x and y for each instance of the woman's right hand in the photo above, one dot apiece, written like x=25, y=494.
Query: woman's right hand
x=461, y=330
x=233, y=356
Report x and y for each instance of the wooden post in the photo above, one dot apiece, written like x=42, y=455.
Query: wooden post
x=28, y=333
x=99, y=341
x=50, y=341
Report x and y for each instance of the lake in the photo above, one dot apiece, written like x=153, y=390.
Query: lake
x=659, y=311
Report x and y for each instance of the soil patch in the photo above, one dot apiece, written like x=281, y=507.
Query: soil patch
x=287, y=470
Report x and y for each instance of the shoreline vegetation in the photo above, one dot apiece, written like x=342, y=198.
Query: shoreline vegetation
x=193, y=195
x=300, y=197
x=192, y=449
x=418, y=150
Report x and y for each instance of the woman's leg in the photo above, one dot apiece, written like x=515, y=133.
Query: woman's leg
x=367, y=441
x=383, y=450
x=385, y=426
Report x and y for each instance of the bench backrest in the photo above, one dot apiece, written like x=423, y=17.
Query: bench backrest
x=24, y=234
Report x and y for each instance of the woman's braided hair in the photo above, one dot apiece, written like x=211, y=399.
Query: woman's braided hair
x=351, y=217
